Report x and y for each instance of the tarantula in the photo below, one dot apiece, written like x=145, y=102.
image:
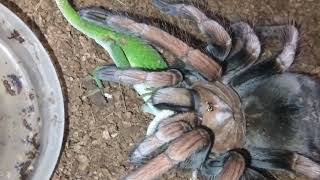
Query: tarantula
x=236, y=122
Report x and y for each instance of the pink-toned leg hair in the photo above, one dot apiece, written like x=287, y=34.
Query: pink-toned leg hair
x=180, y=150
x=246, y=40
x=215, y=33
x=245, y=51
x=290, y=36
x=233, y=167
x=135, y=76
x=193, y=58
x=273, y=159
x=152, y=143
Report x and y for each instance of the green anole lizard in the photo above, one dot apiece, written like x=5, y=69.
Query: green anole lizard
x=125, y=50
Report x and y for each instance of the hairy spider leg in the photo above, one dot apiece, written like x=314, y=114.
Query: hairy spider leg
x=154, y=79
x=193, y=58
x=117, y=55
x=233, y=165
x=245, y=51
x=188, y=151
x=217, y=37
x=152, y=144
x=289, y=35
x=284, y=160
x=245, y=39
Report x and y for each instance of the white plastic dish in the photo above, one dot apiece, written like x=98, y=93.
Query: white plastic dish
x=31, y=104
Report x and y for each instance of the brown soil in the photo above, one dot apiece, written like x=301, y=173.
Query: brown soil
x=100, y=135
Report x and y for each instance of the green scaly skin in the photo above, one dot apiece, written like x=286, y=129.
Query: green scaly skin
x=129, y=52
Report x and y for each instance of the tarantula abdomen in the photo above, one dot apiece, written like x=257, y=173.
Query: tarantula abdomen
x=282, y=112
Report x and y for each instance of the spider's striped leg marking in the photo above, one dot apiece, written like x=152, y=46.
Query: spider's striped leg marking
x=251, y=174
x=245, y=41
x=245, y=51
x=188, y=117
x=289, y=35
x=134, y=76
x=188, y=151
x=194, y=58
x=285, y=161
x=233, y=167
x=229, y=166
x=218, y=38
x=177, y=99
x=153, y=143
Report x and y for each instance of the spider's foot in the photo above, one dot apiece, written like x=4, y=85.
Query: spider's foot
x=247, y=47
x=290, y=36
x=217, y=36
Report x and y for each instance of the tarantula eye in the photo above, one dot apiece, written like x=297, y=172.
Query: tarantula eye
x=210, y=107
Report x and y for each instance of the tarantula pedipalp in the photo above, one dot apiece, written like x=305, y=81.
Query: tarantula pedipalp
x=255, y=117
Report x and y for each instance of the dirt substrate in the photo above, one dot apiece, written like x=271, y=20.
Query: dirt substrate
x=99, y=135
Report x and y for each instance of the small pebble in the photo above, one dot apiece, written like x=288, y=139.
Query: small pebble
x=107, y=95
x=83, y=162
x=114, y=135
x=106, y=134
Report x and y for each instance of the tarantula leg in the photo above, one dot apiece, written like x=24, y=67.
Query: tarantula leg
x=247, y=45
x=290, y=39
x=289, y=35
x=218, y=37
x=270, y=159
x=117, y=56
x=164, y=135
x=186, y=117
x=192, y=57
x=245, y=51
x=233, y=167
x=188, y=151
x=159, y=122
x=177, y=99
x=251, y=174
x=135, y=76
x=229, y=166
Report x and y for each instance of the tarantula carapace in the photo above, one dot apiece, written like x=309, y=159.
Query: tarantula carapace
x=237, y=122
